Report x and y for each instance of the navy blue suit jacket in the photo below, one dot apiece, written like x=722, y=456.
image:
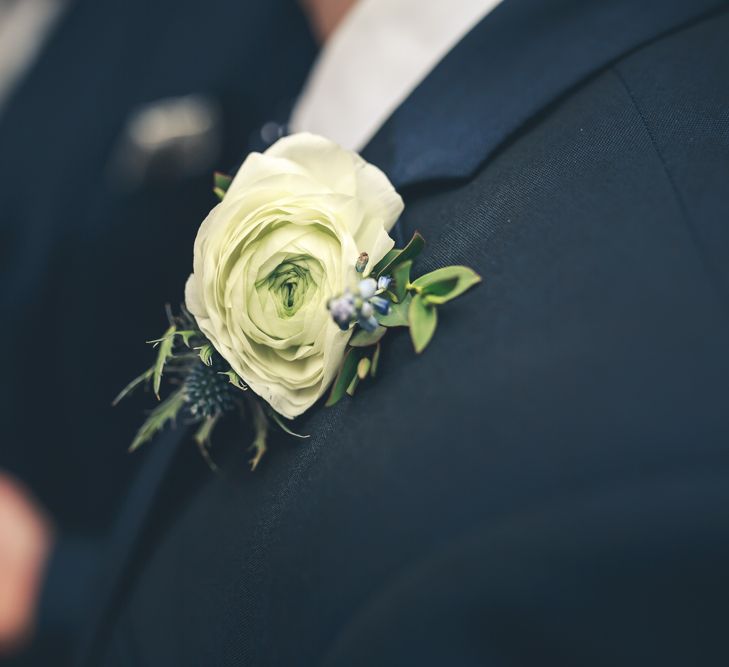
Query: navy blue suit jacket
x=549, y=483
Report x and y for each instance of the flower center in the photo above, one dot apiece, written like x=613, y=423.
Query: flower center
x=289, y=284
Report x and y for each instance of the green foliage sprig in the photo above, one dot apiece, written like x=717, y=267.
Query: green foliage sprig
x=412, y=304
x=205, y=388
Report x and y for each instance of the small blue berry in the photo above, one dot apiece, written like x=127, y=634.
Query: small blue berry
x=380, y=304
x=369, y=324
x=342, y=310
x=367, y=287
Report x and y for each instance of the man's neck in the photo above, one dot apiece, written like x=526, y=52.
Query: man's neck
x=325, y=15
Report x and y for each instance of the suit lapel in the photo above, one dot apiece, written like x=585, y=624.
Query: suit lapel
x=522, y=57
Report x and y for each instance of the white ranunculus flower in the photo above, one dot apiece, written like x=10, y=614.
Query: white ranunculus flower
x=283, y=241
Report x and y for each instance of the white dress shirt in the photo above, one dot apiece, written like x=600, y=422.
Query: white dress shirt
x=376, y=57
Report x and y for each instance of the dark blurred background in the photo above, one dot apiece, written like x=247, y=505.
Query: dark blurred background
x=113, y=116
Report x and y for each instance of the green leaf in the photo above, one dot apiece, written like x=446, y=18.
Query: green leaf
x=222, y=180
x=363, y=368
x=260, y=429
x=163, y=413
x=366, y=338
x=234, y=379
x=202, y=435
x=221, y=184
x=410, y=251
x=385, y=261
x=163, y=355
x=375, y=360
x=398, y=315
x=282, y=425
x=347, y=372
x=423, y=320
x=166, y=345
x=445, y=284
x=401, y=279
x=140, y=379
x=185, y=334
x=202, y=439
x=206, y=353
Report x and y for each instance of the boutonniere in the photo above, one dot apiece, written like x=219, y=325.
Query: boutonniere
x=295, y=284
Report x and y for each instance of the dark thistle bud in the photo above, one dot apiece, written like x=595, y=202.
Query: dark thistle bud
x=361, y=264
x=208, y=390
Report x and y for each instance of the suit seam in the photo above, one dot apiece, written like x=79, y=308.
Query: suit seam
x=706, y=262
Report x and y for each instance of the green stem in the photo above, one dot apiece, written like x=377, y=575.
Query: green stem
x=260, y=426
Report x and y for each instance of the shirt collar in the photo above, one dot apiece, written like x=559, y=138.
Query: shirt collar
x=377, y=56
